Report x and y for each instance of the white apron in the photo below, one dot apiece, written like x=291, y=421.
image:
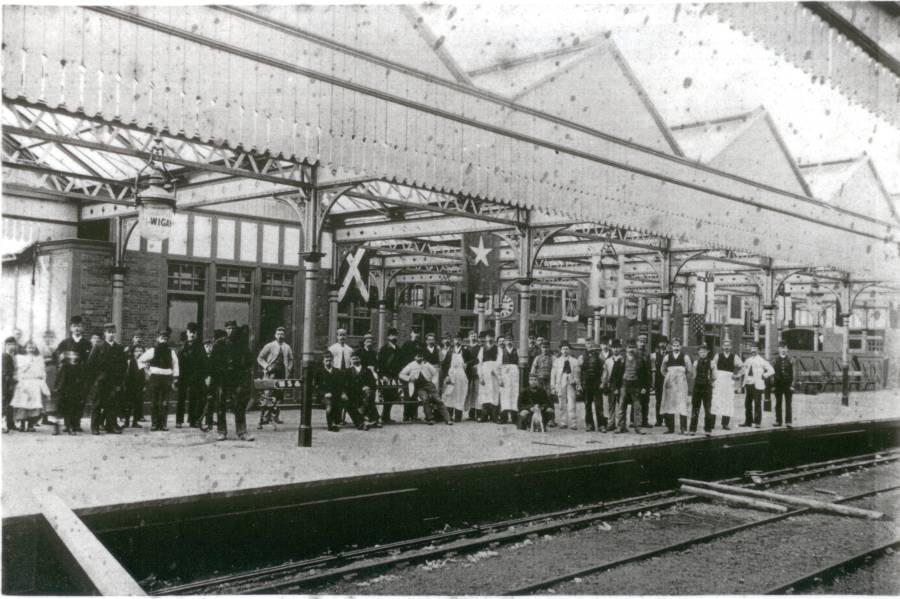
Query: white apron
x=458, y=388
x=489, y=392
x=723, y=394
x=509, y=393
x=675, y=392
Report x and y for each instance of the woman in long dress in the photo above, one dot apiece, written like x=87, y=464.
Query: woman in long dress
x=456, y=383
x=675, y=398
x=31, y=387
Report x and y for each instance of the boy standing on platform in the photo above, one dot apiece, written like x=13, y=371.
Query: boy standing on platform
x=565, y=380
x=106, y=365
x=75, y=349
x=133, y=396
x=783, y=384
x=702, y=393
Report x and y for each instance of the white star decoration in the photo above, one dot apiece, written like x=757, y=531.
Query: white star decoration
x=480, y=252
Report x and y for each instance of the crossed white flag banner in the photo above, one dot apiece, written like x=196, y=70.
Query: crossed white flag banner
x=353, y=275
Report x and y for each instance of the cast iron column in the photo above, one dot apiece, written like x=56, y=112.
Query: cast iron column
x=480, y=301
x=597, y=321
x=382, y=308
x=332, y=313
x=524, y=322
x=312, y=259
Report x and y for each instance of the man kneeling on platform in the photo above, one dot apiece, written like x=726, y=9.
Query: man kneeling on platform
x=422, y=378
x=534, y=398
x=331, y=385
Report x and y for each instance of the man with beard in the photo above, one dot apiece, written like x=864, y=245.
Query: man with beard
x=74, y=352
x=106, y=367
x=231, y=362
x=192, y=363
x=162, y=365
x=390, y=362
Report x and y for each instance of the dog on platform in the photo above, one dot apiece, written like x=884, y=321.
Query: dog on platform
x=537, y=419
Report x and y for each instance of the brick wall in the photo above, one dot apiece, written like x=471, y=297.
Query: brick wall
x=144, y=295
x=94, y=279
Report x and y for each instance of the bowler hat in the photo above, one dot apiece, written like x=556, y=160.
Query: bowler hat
x=616, y=344
x=231, y=323
x=75, y=320
x=192, y=327
x=392, y=331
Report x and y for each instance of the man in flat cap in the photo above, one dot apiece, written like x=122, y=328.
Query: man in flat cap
x=390, y=362
x=161, y=363
x=231, y=363
x=193, y=365
x=106, y=367
x=72, y=355
x=276, y=359
x=368, y=354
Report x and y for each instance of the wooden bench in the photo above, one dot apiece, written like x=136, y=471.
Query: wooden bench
x=812, y=381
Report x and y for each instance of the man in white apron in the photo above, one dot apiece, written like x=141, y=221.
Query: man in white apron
x=565, y=380
x=489, y=382
x=676, y=367
x=509, y=374
x=727, y=366
x=456, y=383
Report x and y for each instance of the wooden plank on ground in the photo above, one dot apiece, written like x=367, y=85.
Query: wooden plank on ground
x=815, y=504
x=105, y=573
x=735, y=499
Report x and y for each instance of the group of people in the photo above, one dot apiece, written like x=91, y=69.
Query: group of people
x=474, y=376
x=206, y=378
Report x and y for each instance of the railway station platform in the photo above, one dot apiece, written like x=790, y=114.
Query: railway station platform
x=91, y=471
x=236, y=505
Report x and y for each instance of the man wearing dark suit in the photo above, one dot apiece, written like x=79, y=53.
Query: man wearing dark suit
x=74, y=351
x=783, y=384
x=192, y=363
x=231, y=362
x=9, y=382
x=368, y=355
x=106, y=366
x=432, y=353
x=390, y=362
x=329, y=385
x=361, y=384
x=659, y=377
x=591, y=377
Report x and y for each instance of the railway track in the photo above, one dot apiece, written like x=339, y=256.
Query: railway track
x=550, y=582
x=320, y=570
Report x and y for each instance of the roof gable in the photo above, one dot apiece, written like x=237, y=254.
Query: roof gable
x=852, y=185
x=594, y=88
x=747, y=145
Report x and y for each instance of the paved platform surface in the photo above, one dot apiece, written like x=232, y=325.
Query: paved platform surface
x=90, y=471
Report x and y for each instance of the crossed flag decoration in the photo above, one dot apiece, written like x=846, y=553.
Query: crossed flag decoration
x=354, y=274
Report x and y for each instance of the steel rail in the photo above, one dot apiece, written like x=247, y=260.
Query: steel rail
x=502, y=132
x=658, y=500
x=850, y=562
x=636, y=557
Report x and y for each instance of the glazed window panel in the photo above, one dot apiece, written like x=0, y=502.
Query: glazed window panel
x=277, y=283
x=234, y=280
x=184, y=276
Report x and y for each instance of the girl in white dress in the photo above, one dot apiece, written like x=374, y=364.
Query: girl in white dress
x=31, y=387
